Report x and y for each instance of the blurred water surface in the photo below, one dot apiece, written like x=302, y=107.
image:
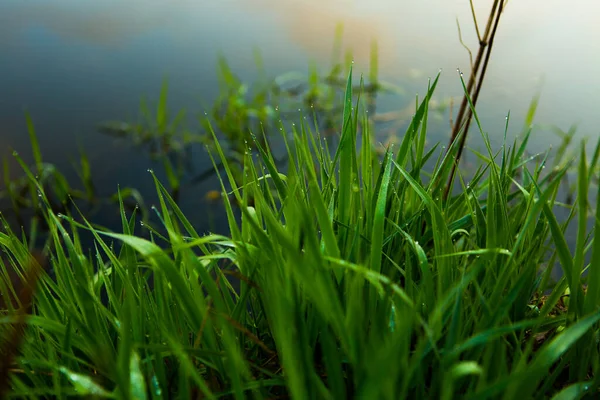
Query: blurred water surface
x=75, y=63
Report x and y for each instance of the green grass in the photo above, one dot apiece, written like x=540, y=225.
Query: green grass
x=354, y=279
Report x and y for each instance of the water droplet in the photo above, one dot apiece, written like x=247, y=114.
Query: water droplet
x=59, y=215
x=141, y=223
x=150, y=170
x=15, y=153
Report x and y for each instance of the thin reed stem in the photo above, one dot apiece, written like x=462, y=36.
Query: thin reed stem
x=465, y=115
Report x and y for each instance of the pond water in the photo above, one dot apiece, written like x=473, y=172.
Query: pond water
x=74, y=63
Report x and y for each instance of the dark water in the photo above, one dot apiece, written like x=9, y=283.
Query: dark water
x=73, y=64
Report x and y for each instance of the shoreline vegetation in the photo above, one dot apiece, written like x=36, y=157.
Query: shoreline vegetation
x=350, y=268
x=345, y=274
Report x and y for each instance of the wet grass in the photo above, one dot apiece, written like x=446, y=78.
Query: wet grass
x=347, y=276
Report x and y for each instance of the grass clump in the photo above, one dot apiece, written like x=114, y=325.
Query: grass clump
x=347, y=276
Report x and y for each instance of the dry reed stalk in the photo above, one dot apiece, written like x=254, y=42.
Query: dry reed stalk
x=465, y=114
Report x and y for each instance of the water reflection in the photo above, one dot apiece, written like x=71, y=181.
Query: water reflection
x=75, y=63
x=537, y=39
x=107, y=23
